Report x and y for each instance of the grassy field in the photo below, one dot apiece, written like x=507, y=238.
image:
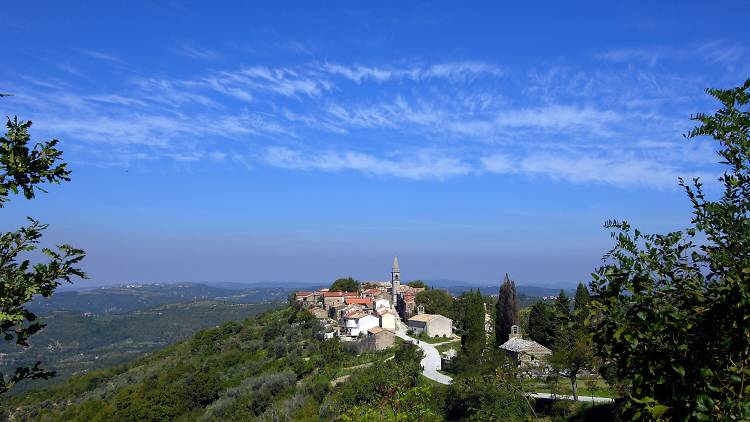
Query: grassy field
x=455, y=344
x=600, y=387
x=432, y=340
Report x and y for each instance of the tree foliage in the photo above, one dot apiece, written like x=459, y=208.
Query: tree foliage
x=417, y=284
x=23, y=169
x=571, y=346
x=345, y=285
x=506, y=310
x=671, y=312
x=436, y=301
x=473, y=336
x=388, y=392
x=487, y=397
x=542, y=324
x=581, y=301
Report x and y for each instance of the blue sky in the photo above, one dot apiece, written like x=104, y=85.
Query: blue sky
x=213, y=141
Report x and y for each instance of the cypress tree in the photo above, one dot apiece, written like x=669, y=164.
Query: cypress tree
x=561, y=311
x=474, y=337
x=581, y=300
x=506, y=310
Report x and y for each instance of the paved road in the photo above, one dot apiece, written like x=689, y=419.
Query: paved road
x=431, y=361
x=564, y=397
x=431, y=364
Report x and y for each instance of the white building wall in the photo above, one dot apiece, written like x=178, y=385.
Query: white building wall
x=388, y=321
x=382, y=303
x=362, y=325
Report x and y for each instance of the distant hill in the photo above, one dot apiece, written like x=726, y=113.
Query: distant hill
x=73, y=343
x=457, y=287
x=130, y=297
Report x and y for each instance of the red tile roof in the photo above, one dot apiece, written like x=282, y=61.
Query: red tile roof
x=339, y=294
x=358, y=300
x=303, y=293
x=355, y=315
x=372, y=292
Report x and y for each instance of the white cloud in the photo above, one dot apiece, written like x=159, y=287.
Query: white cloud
x=715, y=51
x=498, y=163
x=198, y=53
x=454, y=71
x=105, y=57
x=416, y=166
x=619, y=128
x=583, y=168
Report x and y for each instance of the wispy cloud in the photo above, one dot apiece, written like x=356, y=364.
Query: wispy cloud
x=587, y=168
x=452, y=71
x=198, y=53
x=715, y=51
x=102, y=56
x=418, y=165
x=412, y=120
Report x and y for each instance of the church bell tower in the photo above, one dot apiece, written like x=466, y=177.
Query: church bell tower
x=395, y=281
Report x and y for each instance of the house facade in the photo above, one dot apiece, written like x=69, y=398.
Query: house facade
x=528, y=354
x=431, y=325
x=387, y=318
x=376, y=339
x=358, y=322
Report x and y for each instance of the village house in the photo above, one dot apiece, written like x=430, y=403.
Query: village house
x=305, y=299
x=336, y=298
x=339, y=311
x=528, y=354
x=431, y=324
x=382, y=303
x=387, y=318
x=366, y=302
x=374, y=292
x=377, y=339
x=358, y=322
x=406, y=305
x=319, y=313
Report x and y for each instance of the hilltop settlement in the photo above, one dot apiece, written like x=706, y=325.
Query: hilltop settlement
x=370, y=318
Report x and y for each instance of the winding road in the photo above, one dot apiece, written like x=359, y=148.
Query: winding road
x=431, y=364
x=431, y=361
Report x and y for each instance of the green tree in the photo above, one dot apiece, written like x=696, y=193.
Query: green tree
x=417, y=284
x=670, y=311
x=506, y=310
x=436, y=301
x=581, y=301
x=345, y=285
x=474, y=337
x=572, y=353
x=572, y=348
x=23, y=169
x=561, y=311
x=486, y=397
x=542, y=324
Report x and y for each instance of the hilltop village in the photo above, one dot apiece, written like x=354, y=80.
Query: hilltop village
x=378, y=311
x=374, y=313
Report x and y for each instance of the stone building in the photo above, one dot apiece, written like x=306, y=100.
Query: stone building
x=387, y=318
x=430, y=324
x=331, y=299
x=376, y=339
x=358, y=322
x=406, y=305
x=305, y=299
x=527, y=353
x=319, y=313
